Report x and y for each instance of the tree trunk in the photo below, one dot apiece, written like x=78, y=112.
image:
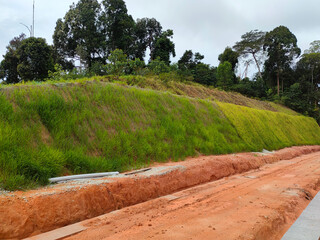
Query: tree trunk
x=254, y=57
x=278, y=82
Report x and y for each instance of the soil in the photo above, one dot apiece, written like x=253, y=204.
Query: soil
x=260, y=204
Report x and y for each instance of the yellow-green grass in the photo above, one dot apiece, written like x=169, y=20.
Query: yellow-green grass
x=265, y=129
x=170, y=84
x=53, y=129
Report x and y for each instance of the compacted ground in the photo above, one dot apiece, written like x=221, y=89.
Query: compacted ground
x=260, y=204
x=237, y=196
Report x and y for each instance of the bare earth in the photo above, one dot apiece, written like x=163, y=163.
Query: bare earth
x=261, y=204
x=236, y=196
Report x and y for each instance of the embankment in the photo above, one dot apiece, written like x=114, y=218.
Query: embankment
x=56, y=129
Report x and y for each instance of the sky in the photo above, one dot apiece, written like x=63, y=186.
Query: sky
x=205, y=26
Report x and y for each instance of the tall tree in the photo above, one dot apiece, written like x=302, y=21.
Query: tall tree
x=119, y=27
x=8, y=66
x=80, y=34
x=164, y=47
x=251, y=44
x=281, y=47
x=147, y=31
x=35, y=59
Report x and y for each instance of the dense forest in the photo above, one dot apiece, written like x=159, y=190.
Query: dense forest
x=103, y=39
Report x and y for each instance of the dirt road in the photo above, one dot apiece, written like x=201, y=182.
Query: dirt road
x=260, y=204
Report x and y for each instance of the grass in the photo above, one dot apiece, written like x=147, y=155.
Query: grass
x=265, y=129
x=186, y=88
x=54, y=129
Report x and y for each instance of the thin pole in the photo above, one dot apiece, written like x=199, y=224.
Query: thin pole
x=33, y=20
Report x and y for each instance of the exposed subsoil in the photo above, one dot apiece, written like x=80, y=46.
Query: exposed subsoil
x=260, y=204
x=255, y=206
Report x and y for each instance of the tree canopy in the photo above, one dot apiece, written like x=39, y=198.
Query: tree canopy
x=281, y=47
x=9, y=65
x=229, y=56
x=164, y=47
x=26, y=59
x=251, y=44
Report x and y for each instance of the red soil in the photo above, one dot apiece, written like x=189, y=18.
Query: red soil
x=28, y=213
x=259, y=205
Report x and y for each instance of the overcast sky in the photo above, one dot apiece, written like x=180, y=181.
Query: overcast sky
x=205, y=26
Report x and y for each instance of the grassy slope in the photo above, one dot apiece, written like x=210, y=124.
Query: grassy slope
x=51, y=130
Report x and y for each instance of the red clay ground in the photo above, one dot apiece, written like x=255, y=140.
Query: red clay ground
x=261, y=204
x=265, y=201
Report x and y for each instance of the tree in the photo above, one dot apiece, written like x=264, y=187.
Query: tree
x=224, y=75
x=229, y=56
x=164, y=47
x=281, y=47
x=119, y=27
x=35, y=59
x=190, y=65
x=80, y=34
x=251, y=44
x=314, y=47
x=204, y=74
x=189, y=61
x=308, y=74
x=8, y=66
x=157, y=66
x=118, y=62
x=147, y=31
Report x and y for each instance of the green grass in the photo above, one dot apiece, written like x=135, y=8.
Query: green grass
x=265, y=129
x=174, y=86
x=53, y=129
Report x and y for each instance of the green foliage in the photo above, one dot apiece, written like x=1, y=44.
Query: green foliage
x=164, y=47
x=119, y=27
x=251, y=44
x=79, y=35
x=157, y=66
x=137, y=66
x=224, y=75
x=229, y=56
x=314, y=47
x=294, y=98
x=281, y=47
x=190, y=65
x=9, y=65
x=35, y=59
x=147, y=31
x=118, y=62
x=252, y=88
x=204, y=74
x=98, y=69
x=189, y=61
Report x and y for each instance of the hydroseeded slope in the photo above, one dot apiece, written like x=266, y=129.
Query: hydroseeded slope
x=52, y=130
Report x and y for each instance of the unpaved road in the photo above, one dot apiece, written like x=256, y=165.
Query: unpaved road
x=260, y=204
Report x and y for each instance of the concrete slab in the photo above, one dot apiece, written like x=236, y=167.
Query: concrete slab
x=307, y=226
x=59, y=233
